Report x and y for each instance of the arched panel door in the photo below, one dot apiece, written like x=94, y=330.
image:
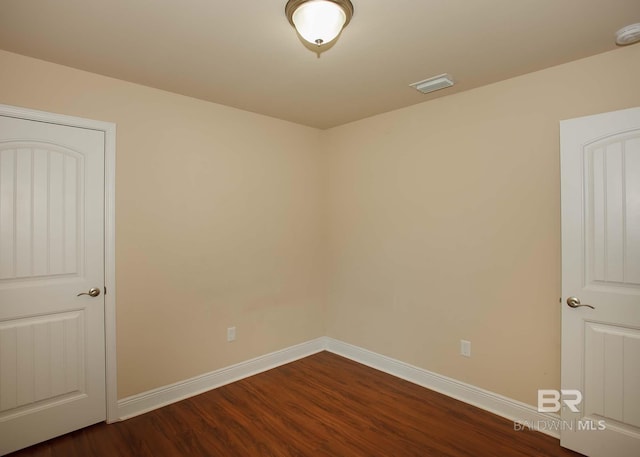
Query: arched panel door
x=52, y=344
x=601, y=282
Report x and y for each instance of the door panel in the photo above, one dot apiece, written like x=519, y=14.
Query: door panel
x=41, y=188
x=52, y=348
x=601, y=266
x=612, y=167
x=48, y=356
x=611, y=373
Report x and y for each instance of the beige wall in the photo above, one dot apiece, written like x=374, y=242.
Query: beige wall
x=217, y=222
x=445, y=224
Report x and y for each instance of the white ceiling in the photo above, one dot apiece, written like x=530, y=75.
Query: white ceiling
x=244, y=53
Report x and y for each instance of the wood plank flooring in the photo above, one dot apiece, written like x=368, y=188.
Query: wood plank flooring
x=320, y=406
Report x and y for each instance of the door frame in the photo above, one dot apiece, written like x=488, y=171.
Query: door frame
x=109, y=130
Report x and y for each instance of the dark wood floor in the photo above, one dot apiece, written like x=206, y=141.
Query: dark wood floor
x=321, y=406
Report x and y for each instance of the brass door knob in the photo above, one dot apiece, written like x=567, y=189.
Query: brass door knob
x=93, y=292
x=574, y=302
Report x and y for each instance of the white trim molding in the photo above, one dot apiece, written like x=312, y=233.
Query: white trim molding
x=163, y=396
x=110, y=271
x=483, y=399
x=109, y=130
x=494, y=403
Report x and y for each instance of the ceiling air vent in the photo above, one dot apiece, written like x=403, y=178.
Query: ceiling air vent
x=436, y=83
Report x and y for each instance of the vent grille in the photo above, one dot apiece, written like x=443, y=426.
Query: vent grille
x=432, y=84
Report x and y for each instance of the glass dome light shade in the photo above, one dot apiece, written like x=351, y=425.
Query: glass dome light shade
x=319, y=21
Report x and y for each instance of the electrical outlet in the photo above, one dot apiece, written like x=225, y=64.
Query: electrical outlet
x=231, y=334
x=465, y=348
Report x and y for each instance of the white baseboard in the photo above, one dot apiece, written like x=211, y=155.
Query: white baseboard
x=489, y=401
x=163, y=396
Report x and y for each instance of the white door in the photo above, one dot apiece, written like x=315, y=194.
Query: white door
x=600, y=158
x=52, y=344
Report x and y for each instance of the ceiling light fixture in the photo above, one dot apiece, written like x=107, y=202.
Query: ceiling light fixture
x=628, y=35
x=319, y=21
